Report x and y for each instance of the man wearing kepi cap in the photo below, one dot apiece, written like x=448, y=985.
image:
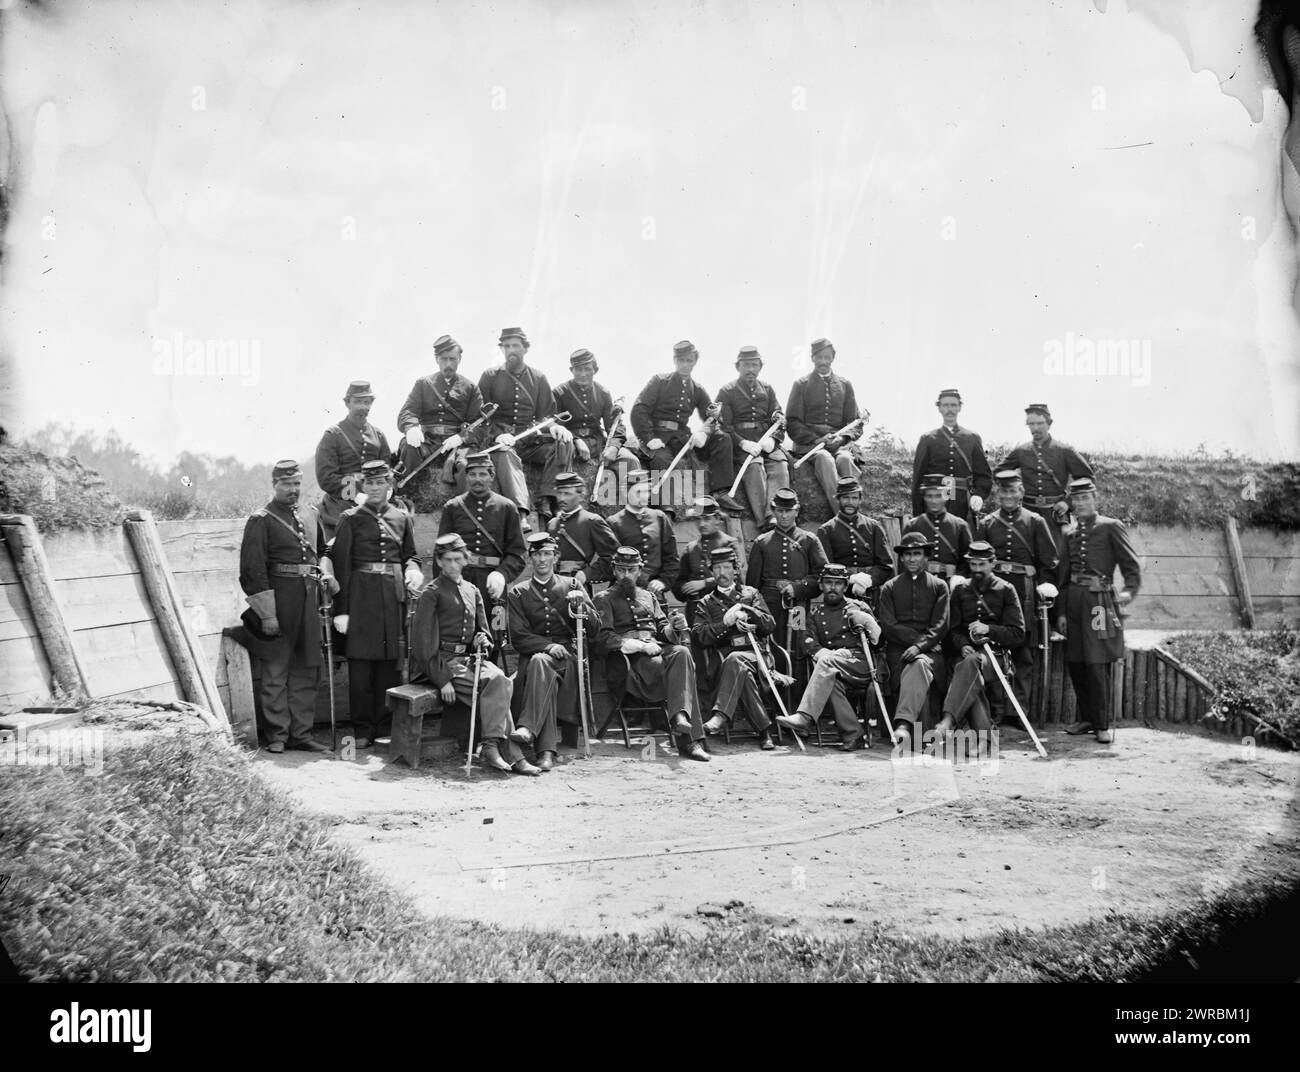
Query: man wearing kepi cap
x=450, y=625
x=913, y=611
x=958, y=454
x=591, y=415
x=857, y=542
x=437, y=413
x=280, y=559
x=524, y=397
x=821, y=405
x=489, y=524
x=641, y=526
x=584, y=541
x=1091, y=620
x=749, y=409
x=1046, y=468
x=982, y=612
x=342, y=451
x=376, y=566
x=660, y=419
x=949, y=533
x=695, y=577
x=727, y=617
x=659, y=667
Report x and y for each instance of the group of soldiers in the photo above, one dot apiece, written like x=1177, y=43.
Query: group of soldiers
x=818, y=615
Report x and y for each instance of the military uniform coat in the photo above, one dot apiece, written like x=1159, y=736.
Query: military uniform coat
x=492, y=533
x=651, y=533
x=858, y=543
x=913, y=611
x=746, y=414
x=992, y=601
x=586, y=542
x=524, y=399
x=641, y=618
x=1046, y=470
x=663, y=410
x=1023, y=538
x=448, y=615
x=591, y=410
x=695, y=565
x=717, y=640
x=818, y=405
x=1094, y=630
x=436, y=402
x=374, y=602
x=275, y=535
x=952, y=535
x=339, y=456
x=796, y=556
x=958, y=453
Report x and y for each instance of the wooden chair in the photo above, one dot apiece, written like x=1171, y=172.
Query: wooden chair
x=620, y=709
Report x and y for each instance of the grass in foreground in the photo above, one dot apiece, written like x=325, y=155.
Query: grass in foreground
x=178, y=863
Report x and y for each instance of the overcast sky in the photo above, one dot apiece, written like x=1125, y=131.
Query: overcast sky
x=956, y=193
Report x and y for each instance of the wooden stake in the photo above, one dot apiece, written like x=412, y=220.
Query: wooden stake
x=1238, y=563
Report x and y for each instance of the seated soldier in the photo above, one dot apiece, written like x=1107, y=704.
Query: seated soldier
x=599, y=431
x=584, y=541
x=694, y=569
x=661, y=666
x=438, y=414
x=543, y=634
x=834, y=643
x=725, y=620
x=984, y=611
x=450, y=623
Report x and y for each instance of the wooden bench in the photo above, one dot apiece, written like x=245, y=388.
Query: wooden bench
x=410, y=705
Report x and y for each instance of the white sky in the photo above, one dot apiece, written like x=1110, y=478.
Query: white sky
x=646, y=176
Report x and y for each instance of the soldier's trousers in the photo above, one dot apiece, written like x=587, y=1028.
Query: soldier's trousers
x=825, y=686
x=368, y=683
x=1022, y=659
x=554, y=458
x=548, y=686
x=739, y=690
x=493, y=703
x=827, y=470
x=715, y=454
x=763, y=477
x=965, y=697
x=288, y=697
x=914, y=680
x=1091, y=683
x=668, y=677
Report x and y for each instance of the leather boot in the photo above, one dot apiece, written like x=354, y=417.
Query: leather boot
x=546, y=761
x=491, y=757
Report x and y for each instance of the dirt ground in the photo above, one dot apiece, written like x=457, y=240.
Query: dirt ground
x=632, y=840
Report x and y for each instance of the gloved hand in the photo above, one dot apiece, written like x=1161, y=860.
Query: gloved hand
x=341, y=623
x=496, y=584
x=749, y=446
x=656, y=587
x=560, y=434
x=505, y=439
x=1124, y=598
x=859, y=582
x=1061, y=512
x=1047, y=590
x=651, y=647
x=630, y=646
x=976, y=504
x=699, y=438
x=822, y=654
x=655, y=444
x=361, y=498
x=447, y=693
x=452, y=442
x=271, y=626
x=414, y=577
x=956, y=581
x=609, y=453
x=414, y=435
x=581, y=450
x=729, y=618
x=767, y=444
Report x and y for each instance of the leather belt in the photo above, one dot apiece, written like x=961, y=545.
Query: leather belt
x=453, y=649
x=1042, y=500
x=739, y=642
x=822, y=429
x=1091, y=582
x=583, y=430
x=1014, y=567
x=946, y=568
x=570, y=565
x=292, y=569
x=376, y=567
x=962, y=482
x=749, y=426
x=667, y=426
x=442, y=429
x=482, y=560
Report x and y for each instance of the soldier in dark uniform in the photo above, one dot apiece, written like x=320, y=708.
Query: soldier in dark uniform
x=489, y=525
x=1026, y=559
x=375, y=564
x=649, y=531
x=985, y=610
x=822, y=403
x=437, y=413
x=524, y=397
x=958, y=454
x=1091, y=620
x=913, y=612
x=785, y=563
x=835, y=647
x=659, y=420
x=857, y=542
x=1046, y=467
x=661, y=665
x=948, y=532
x=585, y=543
x=450, y=624
x=279, y=562
x=749, y=407
x=342, y=451
x=695, y=578
x=592, y=418
x=542, y=632
x=726, y=618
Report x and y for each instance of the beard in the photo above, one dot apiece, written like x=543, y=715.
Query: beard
x=832, y=599
x=625, y=586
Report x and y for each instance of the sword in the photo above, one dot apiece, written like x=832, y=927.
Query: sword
x=540, y=426
x=1010, y=695
x=750, y=458
x=875, y=683
x=473, y=709
x=577, y=600
x=712, y=414
x=613, y=430
x=484, y=415
x=1044, y=605
x=834, y=435
x=771, y=684
x=324, y=603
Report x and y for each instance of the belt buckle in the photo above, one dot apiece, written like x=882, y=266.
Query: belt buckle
x=949, y=486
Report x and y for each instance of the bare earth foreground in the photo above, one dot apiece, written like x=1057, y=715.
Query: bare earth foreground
x=825, y=840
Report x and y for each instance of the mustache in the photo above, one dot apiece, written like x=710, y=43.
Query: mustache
x=625, y=585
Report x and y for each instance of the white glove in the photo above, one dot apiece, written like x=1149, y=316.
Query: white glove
x=655, y=444
x=749, y=446
x=976, y=504
x=873, y=631
x=452, y=442
x=767, y=444
x=341, y=623
x=956, y=581
x=1047, y=590
x=730, y=617
x=414, y=577
x=360, y=498
x=860, y=582
x=414, y=435
x=506, y=439
x=496, y=584
x=561, y=434
x=656, y=586
x=581, y=449
x=699, y=438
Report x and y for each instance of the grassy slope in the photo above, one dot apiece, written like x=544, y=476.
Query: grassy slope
x=179, y=863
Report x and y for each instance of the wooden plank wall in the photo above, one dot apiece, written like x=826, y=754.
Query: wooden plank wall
x=24, y=671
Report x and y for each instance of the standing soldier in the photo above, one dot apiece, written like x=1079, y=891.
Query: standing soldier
x=542, y=632
x=450, y=624
x=661, y=666
x=648, y=530
x=1091, y=621
x=958, y=454
x=437, y=411
x=821, y=404
x=727, y=617
x=749, y=408
x=1026, y=559
x=833, y=644
x=1046, y=467
x=375, y=564
x=524, y=397
x=948, y=532
x=983, y=611
x=660, y=421
x=592, y=416
x=857, y=542
x=489, y=525
x=343, y=450
x=695, y=578
x=279, y=563
x=913, y=611
x=584, y=541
